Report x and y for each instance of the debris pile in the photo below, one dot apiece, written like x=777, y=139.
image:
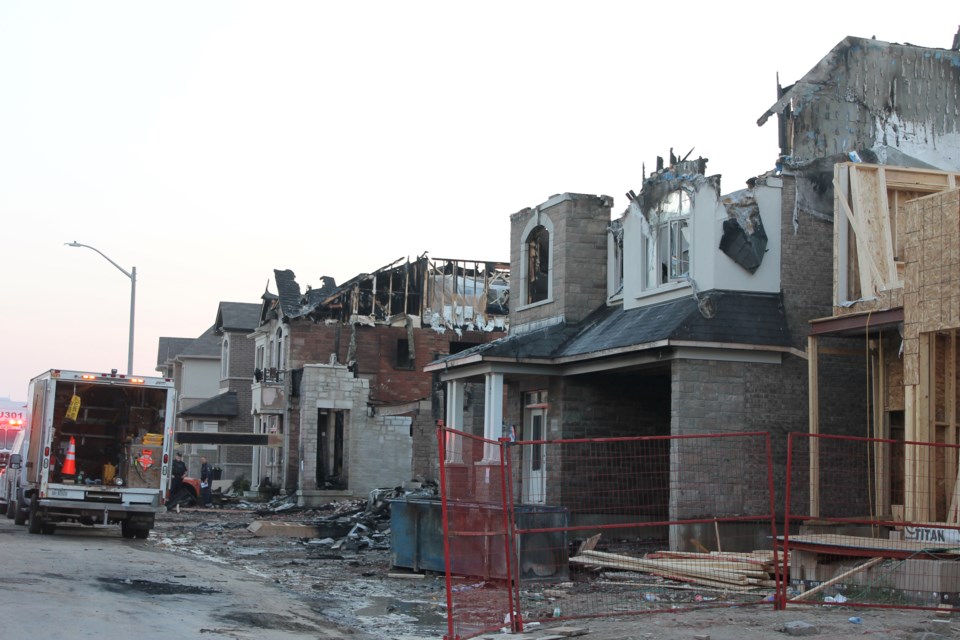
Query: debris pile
x=342, y=525
x=725, y=570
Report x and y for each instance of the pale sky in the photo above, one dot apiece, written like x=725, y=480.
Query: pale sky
x=208, y=143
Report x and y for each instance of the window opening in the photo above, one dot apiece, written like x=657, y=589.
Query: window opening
x=404, y=357
x=667, y=245
x=538, y=264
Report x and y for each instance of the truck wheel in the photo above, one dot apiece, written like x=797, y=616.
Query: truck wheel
x=19, y=514
x=35, y=524
x=142, y=534
x=48, y=528
x=126, y=530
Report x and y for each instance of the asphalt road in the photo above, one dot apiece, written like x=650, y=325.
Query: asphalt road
x=92, y=583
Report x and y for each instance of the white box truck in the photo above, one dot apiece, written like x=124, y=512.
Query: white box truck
x=98, y=452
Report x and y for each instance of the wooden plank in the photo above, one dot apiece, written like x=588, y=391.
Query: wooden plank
x=866, y=267
x=923, y=180
x=843, y=576
x=870, y=210
x=589, y=544
x=909, y=453
x=841, y=291
x=885, y=223
x=925, y=472
x=614, y=561
x=882, y=431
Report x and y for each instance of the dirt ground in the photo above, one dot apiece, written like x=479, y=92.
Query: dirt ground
x=355, y=586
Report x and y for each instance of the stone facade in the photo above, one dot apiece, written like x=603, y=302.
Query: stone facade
x=377, y=450
x=578, y=258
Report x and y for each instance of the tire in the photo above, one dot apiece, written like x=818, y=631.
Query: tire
x=126, y=530
x=19, y=514
x=34, y=523
x=48, y=528
x=142, y=534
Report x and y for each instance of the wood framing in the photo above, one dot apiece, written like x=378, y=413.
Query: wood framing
x=897, y=247
x=869, y=228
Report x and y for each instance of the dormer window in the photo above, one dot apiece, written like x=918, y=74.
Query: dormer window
x=538, y=264
x=666, y=247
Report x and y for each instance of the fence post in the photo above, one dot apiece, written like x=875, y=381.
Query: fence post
x=511, y=550
x=441, y=440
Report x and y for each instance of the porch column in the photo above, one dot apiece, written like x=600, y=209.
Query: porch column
x=455, y=389
x=492, y=414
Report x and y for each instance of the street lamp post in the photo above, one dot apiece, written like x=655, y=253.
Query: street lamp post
x=132, y=274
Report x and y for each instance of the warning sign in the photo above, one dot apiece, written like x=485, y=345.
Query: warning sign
x=145, y=459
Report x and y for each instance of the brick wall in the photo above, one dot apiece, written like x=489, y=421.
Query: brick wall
x=806, y=265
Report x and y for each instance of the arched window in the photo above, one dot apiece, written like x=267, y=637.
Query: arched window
x=666, y=256
x=225, y=358
x=538, y=264
x=279, y=361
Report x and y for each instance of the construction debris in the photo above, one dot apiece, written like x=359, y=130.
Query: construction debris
x=727, y=570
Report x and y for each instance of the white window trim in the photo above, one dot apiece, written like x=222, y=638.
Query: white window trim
x=225, y=358
x=540, y=219
x=663, y=226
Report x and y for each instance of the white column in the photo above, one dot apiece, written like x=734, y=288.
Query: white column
x=454, y=445
x=492, y=414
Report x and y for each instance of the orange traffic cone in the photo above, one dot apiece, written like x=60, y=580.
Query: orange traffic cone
x=70, y=464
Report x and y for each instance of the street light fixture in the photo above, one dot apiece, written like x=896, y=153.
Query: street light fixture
x=132, y=274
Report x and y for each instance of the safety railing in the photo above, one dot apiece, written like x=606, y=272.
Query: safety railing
x=871, y=523
x=552, y=530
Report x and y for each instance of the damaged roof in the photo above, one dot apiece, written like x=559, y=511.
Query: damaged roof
x=295, y=304
x=221, y=406
x=726, y=317
x=869, y=94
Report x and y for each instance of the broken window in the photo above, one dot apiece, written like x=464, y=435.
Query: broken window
x=404, y=357
x=616, y=232
x=667, y=241
x=538, y=264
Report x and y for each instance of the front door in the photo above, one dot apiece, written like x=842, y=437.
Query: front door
x=535, y=457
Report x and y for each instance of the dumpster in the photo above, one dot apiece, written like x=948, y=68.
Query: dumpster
x=477, y=538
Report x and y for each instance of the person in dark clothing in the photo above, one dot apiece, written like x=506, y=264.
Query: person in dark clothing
x=206, y=477
x=177, y=471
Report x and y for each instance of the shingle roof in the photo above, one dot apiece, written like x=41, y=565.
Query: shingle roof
x=727, y=317
x=221, y=406
x=170, y=348
x=238, y=316
x=206, y=345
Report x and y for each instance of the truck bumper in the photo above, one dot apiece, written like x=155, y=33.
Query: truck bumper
x=99, y=512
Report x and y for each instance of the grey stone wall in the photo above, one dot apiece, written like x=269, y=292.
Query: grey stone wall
x=578, y=257
x=377, y=450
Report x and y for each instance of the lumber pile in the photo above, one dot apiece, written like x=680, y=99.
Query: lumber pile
x=725, y=570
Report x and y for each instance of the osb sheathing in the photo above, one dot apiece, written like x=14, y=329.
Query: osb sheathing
x=931, y=291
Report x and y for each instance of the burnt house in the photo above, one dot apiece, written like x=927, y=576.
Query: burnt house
x=690, y=313
x=890, y=113
x=338, y=371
